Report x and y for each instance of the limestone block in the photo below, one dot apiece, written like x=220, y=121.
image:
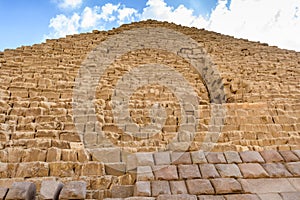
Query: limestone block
x=73, y=190
x=53, y=154
x=165, y=172
x=34, y=154
x=142, y=188
x=21, y=190
x=63, y=169
x=3, y=192
x=144, y=173
x=50, y=189
x=116, y=169
x=32, y=169
x=160, y=187
x=198, y=157
x=199, y=186
x=68, y=155
x=178, y=187
x=106, y=155
x=122, y=191
x=208, y=171
x=188, y=171
x=92, y=169
x=226, y=185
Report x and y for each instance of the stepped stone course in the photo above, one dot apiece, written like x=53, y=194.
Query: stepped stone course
x=177, y=113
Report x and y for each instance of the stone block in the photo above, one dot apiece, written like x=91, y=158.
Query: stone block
x=267, y=185
x=31, y=155
x=276, y=170
x=289, y=156
x=142, y=188
x=50, y=189
x=232, y=157
x=295, y=182
x=290, y=195
x=252, y=170
x=228, y=170
x=69, y=155
x=269, y=196
x=32, y=169
x=181, y=158
x=198, y=157
x=53, y=154
x=271, y=156
x=199, y=186
x=92, y=169
x=62, y=169
x=226, y=185
x=106, y=155
x=160, y=187
x=297, y=152
x=144, y=173
x=242, y=197
x=177, y=197
x=162, y=158
x=21, y=190
x=144, y=159
x=211, y=197
x=208, y=171
x=73, y=190
x=294, y=168
x=116, y=169
x=251, y=157
x=188, y=171
x=178, y=187
x=165, y=172
x=83, y=155
x=122, y=191
x=215, y=157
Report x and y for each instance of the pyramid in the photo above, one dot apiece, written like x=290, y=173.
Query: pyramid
x=150, y=110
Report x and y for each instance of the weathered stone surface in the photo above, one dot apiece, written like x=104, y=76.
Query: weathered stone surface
x=251, y=156
x=32, y=169
x=92, y=169
x=50, y=189
x=142, y=188
x=297, y=152
x=177, y=197
x=295, y=182
x=3, y=192
x=181, y=158
x=160, y=187
x=252, y=170
x=268, y=196
x=144, y=173
x=162, y=158
x=21, y=190
x=294, y=168
x=198, y=157
x=232, y=157
x=106, y=155
x=271, y=156
x=211, y=197
x=188, y=171
x=226, y=185
x=228, y=170
x=290, y=195
x=215, y=157
x=208, y=171
x=178, y=187
x=242, y=197
x=63, y=169
x=122, y=191
x=144, y=159
x=289, y=156
x=199, y=186
x=264, y=185
x=165, y=172
x=116, y=169
x=73, y=190
x=276, y=170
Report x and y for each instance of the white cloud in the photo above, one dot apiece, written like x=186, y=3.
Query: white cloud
x=68, y=4
x=275, y=22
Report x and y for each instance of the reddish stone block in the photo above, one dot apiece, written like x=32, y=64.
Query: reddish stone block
x=162, y=158
x=160, y=187
x=294, y=168
x=226, y=185
x=290, y=195
x=208, y=171
x=252, y=170
x=215, y=157
x=228, y=170
x=199, y=186
x=177, y=197
x=271, y=156
x=165, y=172
x=251, y=157
x=232, y=157
x=198, y=157
x=181, y=158
x=188, y=171
x=276, y=170
x=289, y=156
x=242, y=197
x=178, y=187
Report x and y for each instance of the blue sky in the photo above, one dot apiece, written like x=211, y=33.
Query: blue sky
x=26, y=22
